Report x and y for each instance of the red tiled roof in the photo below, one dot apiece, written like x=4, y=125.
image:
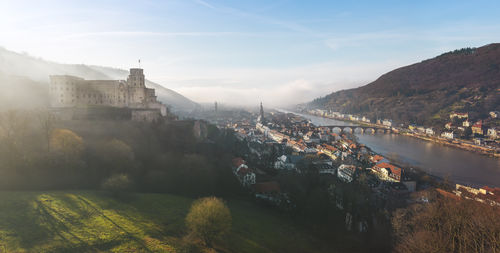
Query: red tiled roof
x=494, y=190
x=238, y=161
x=267, y=187
x=395, y=171
x=330, y=147
x=447, y=194
x=377, y=158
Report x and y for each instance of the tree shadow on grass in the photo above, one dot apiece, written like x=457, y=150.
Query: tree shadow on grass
x=48, y=215
x=59, y=228
x=115, y=224
x=19, y=219
x=60, y=223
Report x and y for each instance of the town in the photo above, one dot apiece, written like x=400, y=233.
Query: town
x=278, y=150
x=476, y=135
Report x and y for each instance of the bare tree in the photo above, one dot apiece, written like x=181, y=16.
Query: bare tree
x=47, y=124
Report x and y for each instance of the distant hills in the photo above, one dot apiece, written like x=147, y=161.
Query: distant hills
x=24, y=80
x=465, y=80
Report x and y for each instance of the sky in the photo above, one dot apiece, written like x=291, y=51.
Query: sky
x=243, y=52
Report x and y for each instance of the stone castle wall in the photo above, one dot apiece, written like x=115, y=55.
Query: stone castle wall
x=74, y=92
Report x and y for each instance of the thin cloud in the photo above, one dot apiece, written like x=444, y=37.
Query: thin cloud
x=239, y=13
x=205, y=4
x=162, y=34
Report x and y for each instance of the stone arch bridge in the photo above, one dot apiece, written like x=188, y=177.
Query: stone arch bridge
x=362, y=129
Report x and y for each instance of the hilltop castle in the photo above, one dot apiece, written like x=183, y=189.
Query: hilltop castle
x=71, y=92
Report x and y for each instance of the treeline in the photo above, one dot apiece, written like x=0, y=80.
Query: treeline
x=447, y=225
x=39, y=152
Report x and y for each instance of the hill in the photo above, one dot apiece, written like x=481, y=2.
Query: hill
x=424, y=93
x=92, y=222
x=35, y=72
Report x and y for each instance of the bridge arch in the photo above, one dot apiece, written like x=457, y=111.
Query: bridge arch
x=370, y=130
x=339, y=128
x=360, y=129
x=348, y=129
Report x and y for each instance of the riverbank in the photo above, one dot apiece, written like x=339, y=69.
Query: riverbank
x=459, y=144
x=446, y=162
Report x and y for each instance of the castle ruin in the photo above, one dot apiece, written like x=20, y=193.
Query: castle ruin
x=70, y=94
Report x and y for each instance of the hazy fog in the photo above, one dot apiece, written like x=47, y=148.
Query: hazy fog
x=24, y=81
x=244, y=52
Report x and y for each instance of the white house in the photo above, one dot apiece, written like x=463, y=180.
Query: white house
x=494, y=114
x=429, y=131
x=346, y=172
x=287, y=162
x=310, y=150
x=387, y=122
x=449, y=135
x=245, y=175
x=493, y=133
x=459, y=115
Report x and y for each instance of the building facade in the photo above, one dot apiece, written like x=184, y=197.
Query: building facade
x=74, y=92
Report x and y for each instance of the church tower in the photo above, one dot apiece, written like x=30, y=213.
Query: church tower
x=261, y=116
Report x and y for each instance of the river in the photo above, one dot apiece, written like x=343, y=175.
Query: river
x=458, y=165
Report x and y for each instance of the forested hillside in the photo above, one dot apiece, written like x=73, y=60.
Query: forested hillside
x=424, y=93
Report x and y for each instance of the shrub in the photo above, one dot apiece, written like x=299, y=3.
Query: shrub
x=117, y=184
x=209, y=219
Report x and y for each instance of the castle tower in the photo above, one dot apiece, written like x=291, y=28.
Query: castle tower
x=136, y=78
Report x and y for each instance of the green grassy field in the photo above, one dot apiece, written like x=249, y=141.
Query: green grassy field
x=93, y=222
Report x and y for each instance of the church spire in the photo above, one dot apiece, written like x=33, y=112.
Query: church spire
x=261, y=113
